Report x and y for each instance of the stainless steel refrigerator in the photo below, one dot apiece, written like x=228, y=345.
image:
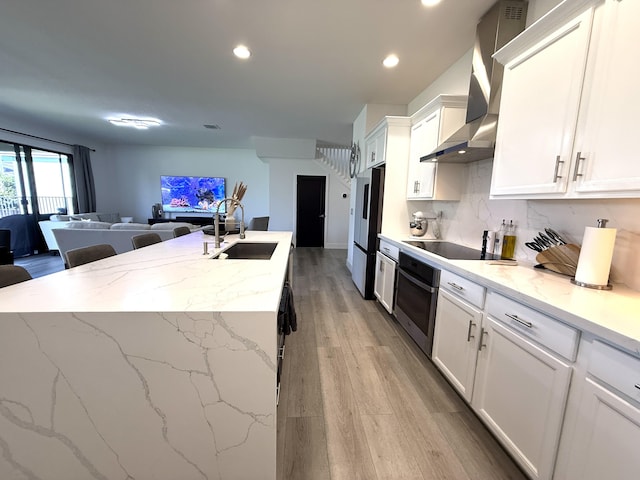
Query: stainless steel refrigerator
x=367, y=224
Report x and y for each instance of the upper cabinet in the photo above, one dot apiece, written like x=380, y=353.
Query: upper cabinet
x=568, y=101
x=381, y=144
x=430, y=126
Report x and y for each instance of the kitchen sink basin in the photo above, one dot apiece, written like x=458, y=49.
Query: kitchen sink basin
x=248, y=251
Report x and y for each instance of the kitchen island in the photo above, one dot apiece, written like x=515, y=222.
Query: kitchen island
x=157, y=363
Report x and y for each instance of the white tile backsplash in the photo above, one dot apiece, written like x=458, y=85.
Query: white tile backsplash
x=464, y=221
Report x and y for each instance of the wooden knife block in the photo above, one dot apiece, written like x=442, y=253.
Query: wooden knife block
x=560, y=259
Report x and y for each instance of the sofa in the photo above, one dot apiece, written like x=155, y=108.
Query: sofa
x=61, y=221
x=76, y=234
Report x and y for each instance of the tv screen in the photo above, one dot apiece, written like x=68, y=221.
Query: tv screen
x=192, y=194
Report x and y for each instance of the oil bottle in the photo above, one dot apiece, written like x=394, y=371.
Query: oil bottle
x=509, y=241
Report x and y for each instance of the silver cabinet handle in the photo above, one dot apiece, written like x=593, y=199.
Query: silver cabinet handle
x=481, y=344
x=386, y=249
x=637, y=385
x=555, y=172
x=281, y=353
x=456, y=286
x=417, y=186
x=471, y=325
x=520, y=321
x=373, y=157
x=575, y=170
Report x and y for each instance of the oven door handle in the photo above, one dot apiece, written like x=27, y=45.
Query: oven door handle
x=417, y=282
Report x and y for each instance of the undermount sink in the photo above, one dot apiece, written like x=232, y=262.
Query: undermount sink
x=248, y=251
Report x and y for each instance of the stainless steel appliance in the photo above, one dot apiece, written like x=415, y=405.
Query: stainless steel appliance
x=368, y=220
x=416, y=296
x=477, y=138
x=417, y=288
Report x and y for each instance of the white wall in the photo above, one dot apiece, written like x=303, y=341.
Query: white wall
x=282, y=201
x=138, y=170
x=454, y=81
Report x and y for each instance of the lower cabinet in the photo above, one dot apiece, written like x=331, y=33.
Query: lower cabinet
x=520, y=393
x=511, y=363
x=384, y=286
x=455, y=341
x=607, y=430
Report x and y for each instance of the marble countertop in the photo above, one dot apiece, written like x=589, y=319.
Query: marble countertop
x=613, y=315
x=171, y=276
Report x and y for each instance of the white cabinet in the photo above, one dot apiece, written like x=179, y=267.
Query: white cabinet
x=569, y=100
x=387, y=141
x=607, y=433
x=431, y=125
x=521, y=384
x=385, y=280
x=458, y=323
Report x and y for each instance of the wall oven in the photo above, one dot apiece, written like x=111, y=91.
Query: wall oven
x=416, y=296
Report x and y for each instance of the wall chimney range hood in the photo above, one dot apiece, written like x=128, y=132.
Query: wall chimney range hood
x=476, y=139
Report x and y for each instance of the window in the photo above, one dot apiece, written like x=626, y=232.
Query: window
x=34, y=181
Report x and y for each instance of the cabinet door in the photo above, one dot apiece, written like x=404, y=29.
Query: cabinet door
x=424, y=139
x=520, y=393
x=371, y=153
x=378, y=285
x=607, y=437
x=385, y=281
x=539, y=111
x=455, y=341
x=606, y=145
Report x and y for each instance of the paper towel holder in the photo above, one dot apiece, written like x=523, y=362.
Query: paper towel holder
x=601, y=223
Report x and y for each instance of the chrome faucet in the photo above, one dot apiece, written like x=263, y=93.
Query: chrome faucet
x=216, y=222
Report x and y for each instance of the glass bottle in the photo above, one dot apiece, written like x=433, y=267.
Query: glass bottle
x=509, y=241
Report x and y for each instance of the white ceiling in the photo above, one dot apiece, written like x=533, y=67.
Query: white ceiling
x=315, y=64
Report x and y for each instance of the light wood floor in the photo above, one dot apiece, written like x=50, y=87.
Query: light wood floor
x=41, y=264
x=360, y=401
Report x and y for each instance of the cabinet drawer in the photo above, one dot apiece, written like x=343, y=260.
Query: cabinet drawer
x=389, y=250
x=463, y=288
x=548, y=332
x=616, y=368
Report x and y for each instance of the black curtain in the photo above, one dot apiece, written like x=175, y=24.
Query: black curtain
x=83, y=177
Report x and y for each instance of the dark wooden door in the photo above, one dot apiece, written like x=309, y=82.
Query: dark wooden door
x=310, y=211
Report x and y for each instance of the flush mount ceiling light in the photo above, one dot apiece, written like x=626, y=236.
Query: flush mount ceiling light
x=135, y=122
x=242, y=52
x=430, y=3
x=391, y=61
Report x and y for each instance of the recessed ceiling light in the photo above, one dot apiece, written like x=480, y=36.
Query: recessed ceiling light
x=462, y=152
x=391, y=61
x=241, y=52
x=430, y=3
x=135, y=122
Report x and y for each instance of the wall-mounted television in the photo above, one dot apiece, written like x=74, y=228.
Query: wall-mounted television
x=192, y=194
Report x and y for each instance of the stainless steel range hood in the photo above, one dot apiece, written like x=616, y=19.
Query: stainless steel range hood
x=477, y=137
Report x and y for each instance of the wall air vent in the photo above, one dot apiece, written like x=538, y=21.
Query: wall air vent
x=513, y=12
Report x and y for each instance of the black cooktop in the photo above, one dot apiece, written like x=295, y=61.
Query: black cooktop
x=453, y=251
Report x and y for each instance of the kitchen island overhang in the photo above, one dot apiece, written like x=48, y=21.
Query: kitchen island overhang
x=105, y=385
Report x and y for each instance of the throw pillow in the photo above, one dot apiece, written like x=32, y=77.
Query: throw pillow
x=88, y=225
x=130, y=226
x=109, y=217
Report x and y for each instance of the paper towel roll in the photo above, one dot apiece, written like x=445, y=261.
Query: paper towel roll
x=596, y=253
